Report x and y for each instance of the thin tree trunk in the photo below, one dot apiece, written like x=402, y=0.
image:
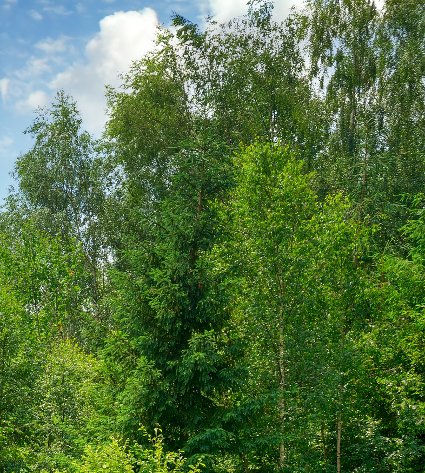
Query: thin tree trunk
x=364, y=179
x=338, y=443
x=282, y=402
x=322, y=431
x=245, y=463
x=339, y=418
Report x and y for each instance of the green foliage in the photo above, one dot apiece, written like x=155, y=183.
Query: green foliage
x=111, y=457
x=44, y=412
x=64, y=175
x=65, y=390
x=370, y=62
x=294, y=273
x=157, y=460
x=117, y=457
x=229, y=254
x=47, y=275
x=18, y=366
x=62, y=192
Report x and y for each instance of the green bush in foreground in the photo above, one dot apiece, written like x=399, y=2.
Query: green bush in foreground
x=158, y=461
x=119, y=458
x=111, y=458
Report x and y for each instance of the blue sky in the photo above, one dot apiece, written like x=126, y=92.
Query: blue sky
x=46, y=45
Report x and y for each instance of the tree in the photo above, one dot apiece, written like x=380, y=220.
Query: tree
x=18, y=367
x=64, y=414
x=172, y=325
x=183, y=110
x=368, y=61
x=46, y=275
x=62, y=188
x=42, y=382
x=292, y=267
x=112, y=458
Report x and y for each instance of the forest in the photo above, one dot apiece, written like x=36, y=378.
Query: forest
x=232, y=279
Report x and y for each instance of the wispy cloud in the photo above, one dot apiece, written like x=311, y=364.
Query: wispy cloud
x=6, y=152
x=34, y=67
x=35, y=15
x=27, y=88
x=56, y=9
x=80, y=8
x=4, y=85
x=53, y=46
x=5, y=142
x=7, y=5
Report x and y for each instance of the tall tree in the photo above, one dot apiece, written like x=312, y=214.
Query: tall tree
x=368, y=60
x=184, y=109
x=290, y=265
x=175, y=166
x=62, y=188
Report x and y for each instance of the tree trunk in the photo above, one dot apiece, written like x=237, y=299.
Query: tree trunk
x=338, y=444
x=322, y=431
x=282, y=402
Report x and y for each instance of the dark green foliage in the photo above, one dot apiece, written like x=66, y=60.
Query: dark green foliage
x=166, y=304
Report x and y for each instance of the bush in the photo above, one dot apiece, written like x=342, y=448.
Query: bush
x=158, y=461
x=110, y=458
x=116, y=457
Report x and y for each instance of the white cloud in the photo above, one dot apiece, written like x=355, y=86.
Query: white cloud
x=57, y=9
x=4, y=86
x=35, y=15
x=282, y=8
x=123, y=38
x=35, y=99
x=52, y=46
x=5, y=142
x=225, y=10
x=34, y=67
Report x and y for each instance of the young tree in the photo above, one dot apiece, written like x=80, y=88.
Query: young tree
x=46, y=275
x=291, y=267
x=62, y=189
x=39, y=308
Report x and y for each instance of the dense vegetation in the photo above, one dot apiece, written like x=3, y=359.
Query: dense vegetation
x=236, y=270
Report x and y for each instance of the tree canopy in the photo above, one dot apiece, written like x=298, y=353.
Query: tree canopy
x=232, y=278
